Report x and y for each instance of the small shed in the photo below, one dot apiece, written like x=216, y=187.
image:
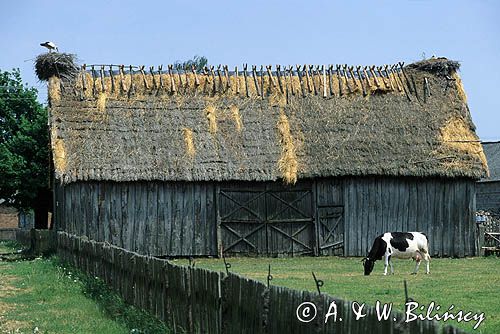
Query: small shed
x=268, y=161
x=9, y=222
x=488, y=188
x=8, y=217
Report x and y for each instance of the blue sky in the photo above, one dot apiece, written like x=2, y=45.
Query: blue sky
x=266, y=32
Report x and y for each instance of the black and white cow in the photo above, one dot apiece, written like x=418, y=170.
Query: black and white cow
x=399, y=245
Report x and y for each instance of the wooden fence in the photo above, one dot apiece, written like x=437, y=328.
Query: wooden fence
x=39, y=242
x=196, y=300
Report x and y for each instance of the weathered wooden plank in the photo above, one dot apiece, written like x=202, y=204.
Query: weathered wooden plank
x=89, y=204
x=100, y=212
x=109, y=220
x=350, y=222
x=219, y=232
x=67, y=209
x=141, y=198
x=447, y=214
x=161, y=235
x=430, y=218
x=372, y=196
x=472, y=218
x=171, y=218
x=413, y=213
x=124, y=215
x=460, y=207
x=151, y=223
x=469, y=220
x=93, y=211
x=210, y=220
x=440, y=196
x=346, y=217
x=315, y=241
x=131, y=217
x=365, y=223
x=197, y=222
x=405, y=210
x=82, y=211
x=186, y=215
x=114, y=209
x=177, y=228
x=460, y=216
x=420, y=217
x=384, y=189
x=73, y=222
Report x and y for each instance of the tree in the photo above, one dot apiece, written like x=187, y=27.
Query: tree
x=198, y=62
x=24, y=148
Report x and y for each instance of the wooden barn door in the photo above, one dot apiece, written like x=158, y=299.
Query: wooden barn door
x=242, y=219
x=290, y=222
x=331, y=230
x=266, y=219
x=330, y=217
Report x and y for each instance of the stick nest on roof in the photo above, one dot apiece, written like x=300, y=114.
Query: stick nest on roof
x=439, y=66
x=61, y=65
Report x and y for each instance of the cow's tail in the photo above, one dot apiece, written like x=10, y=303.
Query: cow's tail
x=426, y=248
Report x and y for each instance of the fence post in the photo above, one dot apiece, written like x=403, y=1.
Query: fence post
x=190, y=299
x=481, y=229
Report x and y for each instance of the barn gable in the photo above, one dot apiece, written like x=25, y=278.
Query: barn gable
x=488, y=188
x=264, y=125
x=492, y=152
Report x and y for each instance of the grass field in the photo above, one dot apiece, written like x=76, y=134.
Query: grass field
x=40, y=296
x=471, y=284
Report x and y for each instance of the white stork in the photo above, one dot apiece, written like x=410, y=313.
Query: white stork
x=50, y=45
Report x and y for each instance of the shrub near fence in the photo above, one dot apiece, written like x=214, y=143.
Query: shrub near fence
x=196, y=300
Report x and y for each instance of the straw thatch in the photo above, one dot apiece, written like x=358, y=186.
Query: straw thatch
x=419, y=126
x=188, y=138
x=61, y=65
x=287, y=164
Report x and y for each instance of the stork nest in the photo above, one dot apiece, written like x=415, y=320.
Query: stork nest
x=61, y=65
x=440, y=66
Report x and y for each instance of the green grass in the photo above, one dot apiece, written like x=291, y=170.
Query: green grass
x=55, y=299
x=9, y=246
x=471, y=284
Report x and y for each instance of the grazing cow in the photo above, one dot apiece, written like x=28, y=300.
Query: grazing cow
x=400, y=245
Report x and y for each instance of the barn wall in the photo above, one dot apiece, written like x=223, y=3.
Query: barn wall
x=181, y=219
x=443, y=209
x=488, y=196
x=164, y=218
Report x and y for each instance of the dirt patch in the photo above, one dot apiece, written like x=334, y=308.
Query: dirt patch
x=6, y=285
x=7, y=289
x=11, y=326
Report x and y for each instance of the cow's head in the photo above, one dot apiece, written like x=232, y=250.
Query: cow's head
x=368, y=264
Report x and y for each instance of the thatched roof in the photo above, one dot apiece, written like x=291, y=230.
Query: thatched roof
x=492, y=152
x=221, y=125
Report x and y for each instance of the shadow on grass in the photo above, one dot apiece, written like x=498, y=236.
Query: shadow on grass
x=113, y=306
x=136, y=320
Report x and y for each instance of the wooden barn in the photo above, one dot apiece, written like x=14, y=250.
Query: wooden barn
x=269, y=161
x=488, y=188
